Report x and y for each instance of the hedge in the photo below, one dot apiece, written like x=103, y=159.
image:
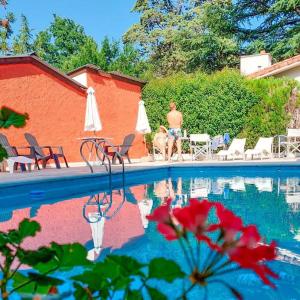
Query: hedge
x=221, y=102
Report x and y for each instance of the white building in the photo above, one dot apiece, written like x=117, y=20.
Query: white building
x=260, y=65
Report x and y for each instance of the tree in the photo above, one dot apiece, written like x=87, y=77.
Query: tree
x=110, y=56
x=273, y=25
x=5, y=29
x=61, y=40
x=181, y=35
x=22, y=43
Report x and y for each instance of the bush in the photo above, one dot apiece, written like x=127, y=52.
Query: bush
x=221, y=102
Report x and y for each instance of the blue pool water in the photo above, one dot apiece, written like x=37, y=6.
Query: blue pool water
x=266, y=196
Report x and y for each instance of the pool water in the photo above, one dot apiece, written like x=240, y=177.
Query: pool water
x=269, y=199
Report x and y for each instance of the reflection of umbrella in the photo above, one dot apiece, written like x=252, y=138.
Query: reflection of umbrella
x=92, y=119
x=145, y=207
x=97, y=234
x=142, y=124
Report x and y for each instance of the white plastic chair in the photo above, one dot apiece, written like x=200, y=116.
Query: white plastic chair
x=292, y=142
x=262, y=149
x=200, y=145
x=235, y=150
x=11, y=161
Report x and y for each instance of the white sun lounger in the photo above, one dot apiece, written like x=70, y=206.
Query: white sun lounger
x=263, y=149
x=235, y=150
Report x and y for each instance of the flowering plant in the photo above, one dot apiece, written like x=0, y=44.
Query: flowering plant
x=233, y=246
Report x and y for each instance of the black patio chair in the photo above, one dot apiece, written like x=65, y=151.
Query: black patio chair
x=37, y=152
x=123, y=149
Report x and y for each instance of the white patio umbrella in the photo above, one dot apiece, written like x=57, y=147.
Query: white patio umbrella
x=145, y=207
x=97, y=229
x=92, y=118
x=142, y=124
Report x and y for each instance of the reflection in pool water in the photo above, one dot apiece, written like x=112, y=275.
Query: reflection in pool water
x=116, y=223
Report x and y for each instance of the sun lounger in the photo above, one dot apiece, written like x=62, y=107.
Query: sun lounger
x=236, y=150
x=263, y=149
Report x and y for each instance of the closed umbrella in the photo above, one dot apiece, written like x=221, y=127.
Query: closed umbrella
x=142, y=124
x=92, y=119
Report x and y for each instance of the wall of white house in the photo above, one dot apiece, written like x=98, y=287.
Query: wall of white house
x=252, y=63
x=292, y=73
x=81, y=78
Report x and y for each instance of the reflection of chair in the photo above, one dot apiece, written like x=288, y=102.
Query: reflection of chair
x=264, y=184
x=237, y=184
x=200, y=145
x=200, y=187
x=263, y=148
x=235, y=150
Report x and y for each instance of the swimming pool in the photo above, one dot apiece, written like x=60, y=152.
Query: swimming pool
x=266, y=196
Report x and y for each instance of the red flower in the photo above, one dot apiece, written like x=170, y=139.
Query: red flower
x=194, y=216
x=162, y=213
x=229, y=223
x=255, y=257
x=162, y=216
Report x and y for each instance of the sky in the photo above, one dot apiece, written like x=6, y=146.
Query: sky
x=99, y=18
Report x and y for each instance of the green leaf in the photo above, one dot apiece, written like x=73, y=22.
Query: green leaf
x=128, y=265
x=107, y=269
x=19, y=280
x=134, y=295
x=168, y=270
x=9, y=118
x=92, y=279
x=81, y=293
x=28, y=228
x=44, y=280
x=32, y=258
x=66, y=257
x=155, y=294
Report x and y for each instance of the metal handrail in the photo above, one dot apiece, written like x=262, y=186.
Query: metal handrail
x=97, y=144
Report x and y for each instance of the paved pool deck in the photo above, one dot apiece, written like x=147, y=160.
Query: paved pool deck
x=78, y=171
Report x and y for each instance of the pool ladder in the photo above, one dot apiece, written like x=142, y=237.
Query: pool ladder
x=97, y=145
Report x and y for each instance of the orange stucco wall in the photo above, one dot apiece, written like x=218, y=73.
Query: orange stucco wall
x=57, y=109
x=118, y=109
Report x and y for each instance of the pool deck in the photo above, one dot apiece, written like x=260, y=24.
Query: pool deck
x=75, y=172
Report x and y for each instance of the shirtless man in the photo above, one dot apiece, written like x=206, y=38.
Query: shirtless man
x=174, y=118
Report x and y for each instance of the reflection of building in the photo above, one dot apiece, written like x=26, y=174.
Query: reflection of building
x=64, y=223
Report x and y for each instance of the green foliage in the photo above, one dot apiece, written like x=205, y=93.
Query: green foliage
x=22, y=43
x=62, y=39
x=214, y=104
x=269, y=117
x=274, y=26
x=5, y=33
x=99, y=280
x=110, y=56
x=221, y=102
x=184, y=35
x=10, y=118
